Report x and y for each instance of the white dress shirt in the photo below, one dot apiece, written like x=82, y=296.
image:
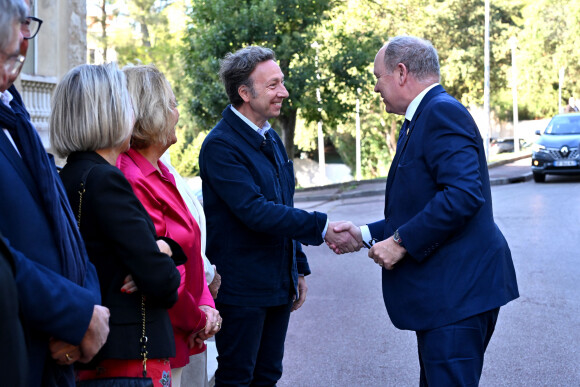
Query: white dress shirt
x=411, y=109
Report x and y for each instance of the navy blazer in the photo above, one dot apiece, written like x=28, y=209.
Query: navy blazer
x=252, y=225
x=52, y=305
x=438, y=196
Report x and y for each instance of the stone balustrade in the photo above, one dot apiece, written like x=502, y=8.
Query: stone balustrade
x=36, y=92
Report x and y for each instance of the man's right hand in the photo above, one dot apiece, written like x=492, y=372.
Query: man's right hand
x=343, y=237
x=96, y=335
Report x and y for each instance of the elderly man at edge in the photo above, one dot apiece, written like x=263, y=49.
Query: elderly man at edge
x=13, y=363
x=254, y=231
x=57, y=286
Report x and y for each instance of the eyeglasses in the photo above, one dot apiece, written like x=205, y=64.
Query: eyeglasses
x=13, y=64
x=30, y=27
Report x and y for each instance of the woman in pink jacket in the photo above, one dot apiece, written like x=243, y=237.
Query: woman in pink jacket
x=194, y=317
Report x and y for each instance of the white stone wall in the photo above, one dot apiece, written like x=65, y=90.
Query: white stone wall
x=60, y=46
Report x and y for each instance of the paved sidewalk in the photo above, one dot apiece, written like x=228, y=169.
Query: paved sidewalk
x=511, y=171
x=502, y=172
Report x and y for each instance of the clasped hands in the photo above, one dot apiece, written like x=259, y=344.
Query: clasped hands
x=344, y=237
x=212, y=326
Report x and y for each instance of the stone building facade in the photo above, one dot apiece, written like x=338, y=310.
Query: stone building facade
x=59, y=46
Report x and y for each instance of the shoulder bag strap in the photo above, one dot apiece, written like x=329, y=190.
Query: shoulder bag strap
x=143, y=340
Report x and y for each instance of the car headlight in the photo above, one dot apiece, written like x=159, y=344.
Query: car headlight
x=538, y=148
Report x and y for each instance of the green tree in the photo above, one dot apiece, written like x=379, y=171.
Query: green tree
x=289, y=27
x=149, y=38
x=456, y=28
x=547, y=42
x=354, y=32
x=108, y=11
x=348, y=34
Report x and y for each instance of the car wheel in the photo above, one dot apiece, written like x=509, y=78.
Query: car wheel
x=539, y=177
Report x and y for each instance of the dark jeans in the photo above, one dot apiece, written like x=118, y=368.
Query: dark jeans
x=452, y=355
x=250, y=344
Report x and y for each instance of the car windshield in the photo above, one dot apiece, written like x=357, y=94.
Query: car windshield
x=564, y=125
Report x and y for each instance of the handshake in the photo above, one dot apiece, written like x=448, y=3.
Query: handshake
x=343, y=237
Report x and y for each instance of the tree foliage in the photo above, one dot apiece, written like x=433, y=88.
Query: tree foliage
x=107, y=12
x=292, y=28
x=548, y=41
x=188, y=46
x=457, y=30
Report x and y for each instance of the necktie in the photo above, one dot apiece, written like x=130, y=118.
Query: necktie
x=404, y=131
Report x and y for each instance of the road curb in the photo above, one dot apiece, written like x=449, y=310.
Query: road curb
x=356, y=189
x=510, y=180
x=507, y=161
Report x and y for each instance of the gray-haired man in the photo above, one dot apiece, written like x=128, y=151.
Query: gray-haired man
x=58, y=291
x=12, y=15
x=13, y=362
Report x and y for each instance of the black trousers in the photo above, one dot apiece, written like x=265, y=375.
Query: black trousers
x=250, y=344
x=452, y=355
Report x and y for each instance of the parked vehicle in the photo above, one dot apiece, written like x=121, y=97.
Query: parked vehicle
x=501, y=145
x=557, y=150
x=505, y=145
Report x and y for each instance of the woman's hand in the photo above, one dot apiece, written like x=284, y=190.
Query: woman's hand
x=214, y=320
x=194, y=341
x=212, y=326
x=129, y=285
x=164, y=247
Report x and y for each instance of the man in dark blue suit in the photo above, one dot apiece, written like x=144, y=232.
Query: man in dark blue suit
x=57, y=287
x=253, y=230
x=447, y=267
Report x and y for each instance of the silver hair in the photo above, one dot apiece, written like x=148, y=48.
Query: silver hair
x=91, y=110
x=418, y=55
x=236, y=68
x=13, y=11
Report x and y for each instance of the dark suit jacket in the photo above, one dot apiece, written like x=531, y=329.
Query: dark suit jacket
x=13, y=364
x=438, y=197
x=120, y=240
x=52, y=305
x=248, y=198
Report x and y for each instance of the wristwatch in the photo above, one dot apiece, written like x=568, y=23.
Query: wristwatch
x=397, y=238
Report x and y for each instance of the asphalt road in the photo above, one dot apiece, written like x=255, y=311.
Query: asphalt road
x=342, y=335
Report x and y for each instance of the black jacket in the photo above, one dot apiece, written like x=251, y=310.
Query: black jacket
x=120, y=240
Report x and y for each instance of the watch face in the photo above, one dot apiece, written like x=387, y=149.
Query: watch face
x=396, y=237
